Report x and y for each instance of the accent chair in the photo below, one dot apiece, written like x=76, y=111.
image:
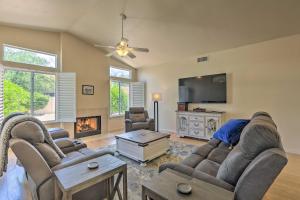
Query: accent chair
x=137, y=118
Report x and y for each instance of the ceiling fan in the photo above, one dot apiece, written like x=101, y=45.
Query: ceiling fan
x=122, y=48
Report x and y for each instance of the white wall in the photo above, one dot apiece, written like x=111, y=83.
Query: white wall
x=261, y=77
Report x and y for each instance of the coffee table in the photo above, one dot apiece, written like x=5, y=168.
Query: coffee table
x=163, y=187
x=77, y=177
x=143, y=145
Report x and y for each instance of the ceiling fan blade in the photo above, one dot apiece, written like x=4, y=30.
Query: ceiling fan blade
x=131, y=55
x=110, y=54
x=146, y=50
x=104, y=46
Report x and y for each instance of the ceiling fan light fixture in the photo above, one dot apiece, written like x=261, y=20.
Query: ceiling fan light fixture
x=124, y=42
x=122, y=52
x=122, y=48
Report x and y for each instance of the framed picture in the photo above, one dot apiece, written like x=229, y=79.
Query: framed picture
x=87, y=89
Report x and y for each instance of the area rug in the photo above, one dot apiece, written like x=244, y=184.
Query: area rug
x=137, y=174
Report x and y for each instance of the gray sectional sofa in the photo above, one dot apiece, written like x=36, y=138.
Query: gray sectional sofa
x=248, y=169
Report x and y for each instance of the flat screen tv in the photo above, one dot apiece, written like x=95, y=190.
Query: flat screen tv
x=203, y=89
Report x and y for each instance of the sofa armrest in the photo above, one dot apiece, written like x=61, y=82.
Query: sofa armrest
x=64, y=142
x=151, y=124
x=260, y=174
x=58, y=133
x=82, y=159
x=150, y=120
x=212, y=180
x=128, y=125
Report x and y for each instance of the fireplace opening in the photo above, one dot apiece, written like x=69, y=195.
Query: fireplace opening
x=87, y=126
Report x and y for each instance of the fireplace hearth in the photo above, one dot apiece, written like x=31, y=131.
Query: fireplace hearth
x=87, y=126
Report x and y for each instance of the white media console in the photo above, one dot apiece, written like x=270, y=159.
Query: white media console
x=200, y=125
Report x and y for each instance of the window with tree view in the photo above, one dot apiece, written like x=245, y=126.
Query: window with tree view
x=119, y=91
x=26, y=56
x=29, y=92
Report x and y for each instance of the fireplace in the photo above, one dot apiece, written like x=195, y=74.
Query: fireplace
x=87, y=126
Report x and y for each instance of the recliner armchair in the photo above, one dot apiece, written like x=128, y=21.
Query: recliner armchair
x=248, y=169
x=137, y=118
x=40, y=159
x=61, y=138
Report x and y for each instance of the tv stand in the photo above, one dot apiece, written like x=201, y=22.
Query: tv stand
x=201, y=125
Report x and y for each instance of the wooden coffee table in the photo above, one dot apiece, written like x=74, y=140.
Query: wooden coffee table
x=143, y=145
x=77, y=177
x=163, y=187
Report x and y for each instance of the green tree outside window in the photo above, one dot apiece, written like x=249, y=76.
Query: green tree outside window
x=119, y=97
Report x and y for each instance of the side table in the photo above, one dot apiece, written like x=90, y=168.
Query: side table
x=163, y=187
x=70, y=181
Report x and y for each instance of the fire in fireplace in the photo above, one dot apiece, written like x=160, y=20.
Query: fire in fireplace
x=87, y=126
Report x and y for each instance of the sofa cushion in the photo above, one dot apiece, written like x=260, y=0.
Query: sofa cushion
x=223, y=145
x=48, y=153
x=233, y=166
x=203, y=150
x=29, y=131
x=79, y=153
x=136, y=110
x=260, y=135
x=137, y=117
x=140, y=125
x=72, y=155
x=86, y=151
x=230, y=132
x=208, y=166
x=218, y=155
x=214, y=142
x=192, y=160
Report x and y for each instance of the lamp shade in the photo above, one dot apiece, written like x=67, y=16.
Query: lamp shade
x=156, y=96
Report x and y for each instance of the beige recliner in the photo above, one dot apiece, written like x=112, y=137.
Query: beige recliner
x=40, y=159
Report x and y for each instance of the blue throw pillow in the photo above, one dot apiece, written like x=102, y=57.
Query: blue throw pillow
x=231, y=131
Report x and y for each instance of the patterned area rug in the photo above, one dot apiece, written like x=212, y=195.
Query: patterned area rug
x=137, y=174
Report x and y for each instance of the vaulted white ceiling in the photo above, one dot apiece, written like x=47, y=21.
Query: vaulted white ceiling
x=171, y=29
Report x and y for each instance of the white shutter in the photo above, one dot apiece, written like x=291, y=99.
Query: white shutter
x=137, y=94
x=66, y=97
x=1, y=93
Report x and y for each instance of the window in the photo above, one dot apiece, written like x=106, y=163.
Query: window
x=49, y=96
x=119, y=91
x=29, y=92
x=120, y=73
x=27, y=56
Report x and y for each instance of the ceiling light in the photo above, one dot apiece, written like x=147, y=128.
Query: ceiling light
x=122, y=51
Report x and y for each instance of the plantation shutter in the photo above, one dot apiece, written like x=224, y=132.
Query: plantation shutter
x=66, y=97
x=137, y=94
x=1, y=93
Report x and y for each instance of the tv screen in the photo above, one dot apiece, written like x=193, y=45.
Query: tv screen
x=203, y=89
